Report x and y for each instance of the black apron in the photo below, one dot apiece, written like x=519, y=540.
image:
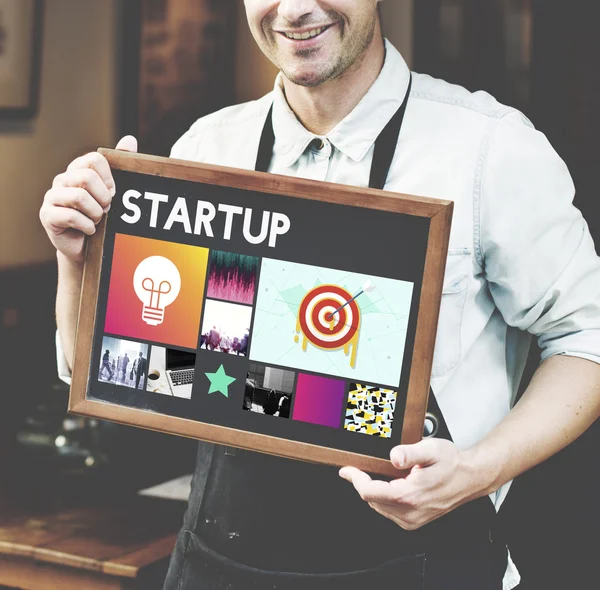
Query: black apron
x=257, y=522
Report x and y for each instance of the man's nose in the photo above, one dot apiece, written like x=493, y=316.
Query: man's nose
x=294, y=10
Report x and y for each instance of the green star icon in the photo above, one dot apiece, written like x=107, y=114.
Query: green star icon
x=220, y=381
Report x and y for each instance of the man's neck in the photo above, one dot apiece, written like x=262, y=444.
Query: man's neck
x=322, y=107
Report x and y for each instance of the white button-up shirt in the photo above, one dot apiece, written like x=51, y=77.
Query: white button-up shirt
x=521, y=259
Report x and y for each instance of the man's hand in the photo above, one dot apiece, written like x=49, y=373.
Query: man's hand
x=77, y=201
x=72, y=208
x=440, y=478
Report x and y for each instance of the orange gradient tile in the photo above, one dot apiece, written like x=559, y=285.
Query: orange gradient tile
x=139, y=304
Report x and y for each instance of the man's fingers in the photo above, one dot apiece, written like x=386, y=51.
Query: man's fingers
x=353, y=475
x=99, y=164
x=96, y=162
x=423, y=453
x=407, y=518
x=88, y=179
x=128, y=144
x=370, y=490
x=76, y=198
x=61, y=219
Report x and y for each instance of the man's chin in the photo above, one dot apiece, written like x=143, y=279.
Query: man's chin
x=308, y=78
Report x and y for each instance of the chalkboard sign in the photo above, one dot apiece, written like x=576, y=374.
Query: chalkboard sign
x=287, y=316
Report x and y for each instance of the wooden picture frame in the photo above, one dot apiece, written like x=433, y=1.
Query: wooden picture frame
x=430, y=220
x=20, y=57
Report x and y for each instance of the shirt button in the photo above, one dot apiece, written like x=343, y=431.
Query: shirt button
x=318, y=143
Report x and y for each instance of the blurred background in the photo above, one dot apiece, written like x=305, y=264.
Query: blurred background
x=79, y=74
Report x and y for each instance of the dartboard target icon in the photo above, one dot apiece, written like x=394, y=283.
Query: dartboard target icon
x=325, y=325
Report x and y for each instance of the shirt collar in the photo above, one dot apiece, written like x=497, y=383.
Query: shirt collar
x=356, y=133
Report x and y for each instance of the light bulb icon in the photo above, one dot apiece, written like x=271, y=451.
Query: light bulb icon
x=157, y=283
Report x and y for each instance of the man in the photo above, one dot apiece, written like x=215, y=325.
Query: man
x=225, y=344
x=248, y=393
x=139, y=368
x=106, y=365
x=243, y=347
x=125, y=362
x=214, y=339
x=521, y=263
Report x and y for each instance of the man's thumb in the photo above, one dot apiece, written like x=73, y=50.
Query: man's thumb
x=128, y=144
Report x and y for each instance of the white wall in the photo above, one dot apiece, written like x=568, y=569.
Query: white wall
x=255, y=74
x=77, y=114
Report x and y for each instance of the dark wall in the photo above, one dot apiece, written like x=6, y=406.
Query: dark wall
x=177, y=65
x=565, y=92
x=554, y=514
x=27, y=353
x=551, y=515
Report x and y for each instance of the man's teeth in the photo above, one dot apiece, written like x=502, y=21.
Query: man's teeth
x=307, y=35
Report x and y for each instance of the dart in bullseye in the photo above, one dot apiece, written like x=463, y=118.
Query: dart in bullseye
x=319, y=326
x=368, y=287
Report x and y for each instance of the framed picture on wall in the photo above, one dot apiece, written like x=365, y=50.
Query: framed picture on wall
x=20, y=56
x=282, y=315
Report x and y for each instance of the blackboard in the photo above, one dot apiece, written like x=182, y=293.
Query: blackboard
x=282, y=315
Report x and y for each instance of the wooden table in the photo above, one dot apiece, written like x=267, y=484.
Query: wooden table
x=124, y=545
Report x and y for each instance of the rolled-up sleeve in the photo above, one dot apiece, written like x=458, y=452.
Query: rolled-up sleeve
x=64, y=373
x=535, y=246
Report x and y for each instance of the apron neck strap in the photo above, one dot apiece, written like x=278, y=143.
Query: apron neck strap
x=385, y=145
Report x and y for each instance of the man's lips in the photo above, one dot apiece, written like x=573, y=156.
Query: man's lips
x=305, y=33
x=306, y=37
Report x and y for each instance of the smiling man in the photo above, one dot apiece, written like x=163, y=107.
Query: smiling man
x=318, y=44
x=347, y=109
